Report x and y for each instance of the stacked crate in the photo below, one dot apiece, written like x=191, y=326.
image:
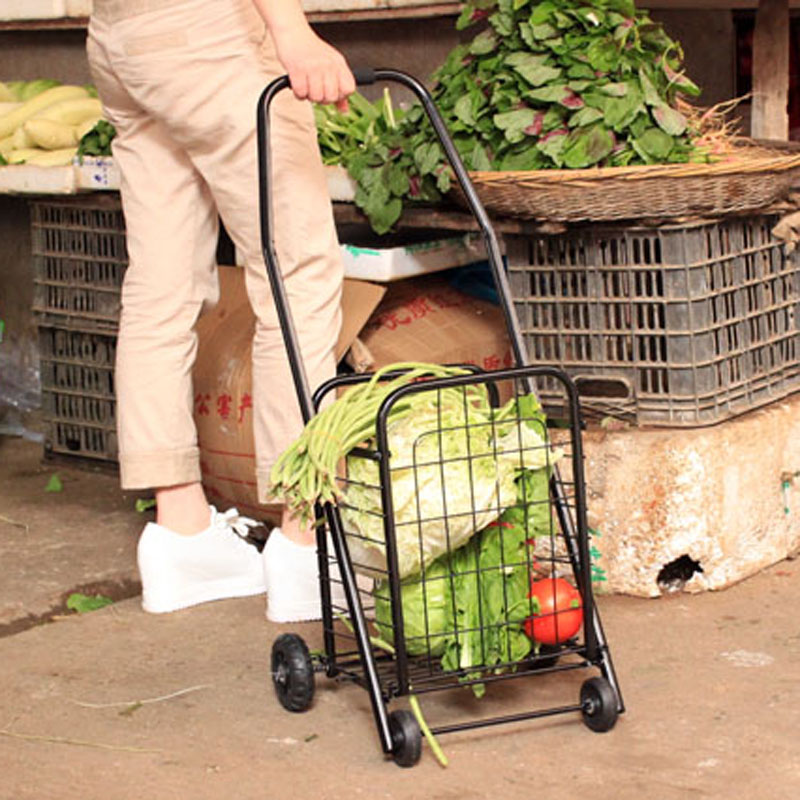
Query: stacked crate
x=79, y=259
x=676, y=325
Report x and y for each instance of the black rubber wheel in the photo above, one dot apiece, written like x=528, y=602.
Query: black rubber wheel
x=406, y=738
x=600, y=705
x=292, y=672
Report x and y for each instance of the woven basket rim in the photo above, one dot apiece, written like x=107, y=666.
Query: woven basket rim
x=756, y=161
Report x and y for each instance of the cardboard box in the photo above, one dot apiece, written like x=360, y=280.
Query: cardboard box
x=420, y=319
x=223, y=387
x=426, y=319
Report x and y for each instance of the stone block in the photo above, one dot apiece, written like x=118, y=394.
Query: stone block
x=695, y=509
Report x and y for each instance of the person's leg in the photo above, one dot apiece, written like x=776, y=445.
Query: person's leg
x=188, y=555
x=308, y=255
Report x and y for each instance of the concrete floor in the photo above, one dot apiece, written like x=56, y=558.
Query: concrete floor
x=120, y=704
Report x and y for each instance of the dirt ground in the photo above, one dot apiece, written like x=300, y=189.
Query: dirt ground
x=120, y=704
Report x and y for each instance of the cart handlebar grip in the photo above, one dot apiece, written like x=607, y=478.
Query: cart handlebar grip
x=365, y=76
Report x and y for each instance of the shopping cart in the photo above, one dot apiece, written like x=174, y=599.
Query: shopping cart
x=469, y=611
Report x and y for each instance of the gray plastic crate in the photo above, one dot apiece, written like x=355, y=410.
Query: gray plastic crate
x=676, y=325
x=79, y=259
x=78, y=406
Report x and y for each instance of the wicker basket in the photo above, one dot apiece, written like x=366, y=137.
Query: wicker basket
x=747, y=180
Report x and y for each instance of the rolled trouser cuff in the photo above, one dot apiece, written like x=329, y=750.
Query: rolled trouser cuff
x=159, y=470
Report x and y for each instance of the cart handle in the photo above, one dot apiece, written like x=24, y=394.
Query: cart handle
x=366, y=76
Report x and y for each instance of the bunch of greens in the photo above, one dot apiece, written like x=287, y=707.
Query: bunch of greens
x=469, y=606
x=342, y=135
x=555, y=84
x=97, y=141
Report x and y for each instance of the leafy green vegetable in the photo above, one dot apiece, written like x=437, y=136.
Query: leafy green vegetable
x=469, y=605
x=83, y=604
x=54, y=484
x=454, y=461
x=510, y=96
x=97, y=142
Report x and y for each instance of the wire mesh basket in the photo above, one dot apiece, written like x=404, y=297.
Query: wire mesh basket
x=449, y=513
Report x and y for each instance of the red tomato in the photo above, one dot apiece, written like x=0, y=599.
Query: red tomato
x=560, y=611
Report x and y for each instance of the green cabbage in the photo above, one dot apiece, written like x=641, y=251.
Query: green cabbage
x=425, y=599
x=469, y=607
x=454, y=461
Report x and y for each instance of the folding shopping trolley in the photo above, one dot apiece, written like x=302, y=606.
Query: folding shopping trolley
x=466, y=515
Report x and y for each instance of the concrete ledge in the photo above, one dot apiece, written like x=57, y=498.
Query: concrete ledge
x=727, y=498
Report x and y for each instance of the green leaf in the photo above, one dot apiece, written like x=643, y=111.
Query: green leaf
x=526, y=32
x=552, y=145
x=483, y=43
x=478, y=159
x=382, y=218
x=513, y=123
x=525, y=159
x=502, y=23
x=655, y=143
x=54, y=484
x=614, y=89
x=427, y=156
x=543, y=31
x=651, y=95
x=669, y=120
x=581, y=70
x=586, y=116
x=624, y=7
x=532, y=67
x=586, y=146
x=603, y=54
x=397, y=179
x=680, y=81
x=463, y=110
x=83, y=604
x=143, y=504
x=542, y=12
x=621, y=111
x=555, y=93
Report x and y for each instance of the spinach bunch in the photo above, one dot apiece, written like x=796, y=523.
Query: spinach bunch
x=558, y=84
x=97, y=141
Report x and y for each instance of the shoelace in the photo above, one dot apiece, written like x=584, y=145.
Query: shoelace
x=231, y=520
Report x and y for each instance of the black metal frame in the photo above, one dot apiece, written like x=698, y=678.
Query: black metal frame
x=365, y=666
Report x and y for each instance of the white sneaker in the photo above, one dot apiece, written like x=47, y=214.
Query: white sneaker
x=292, y=577
x=180, y=571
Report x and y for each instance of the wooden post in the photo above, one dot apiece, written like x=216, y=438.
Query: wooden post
x=770, y=119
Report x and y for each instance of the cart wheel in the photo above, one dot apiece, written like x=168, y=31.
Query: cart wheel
x=292, y=672
x=599, y=701
x=406, y=738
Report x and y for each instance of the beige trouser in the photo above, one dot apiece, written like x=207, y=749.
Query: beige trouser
x=180, y=80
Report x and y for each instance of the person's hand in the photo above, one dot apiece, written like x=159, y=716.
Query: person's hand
x=317, y=71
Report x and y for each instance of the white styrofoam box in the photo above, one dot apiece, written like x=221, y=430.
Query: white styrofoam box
x=394, y=263
x=29, y=179
x=96, y=173
x=32, y=9
x=341, y=187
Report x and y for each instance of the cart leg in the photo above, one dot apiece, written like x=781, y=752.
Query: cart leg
x=360, y=627
x=596, y=646
x=329, y=641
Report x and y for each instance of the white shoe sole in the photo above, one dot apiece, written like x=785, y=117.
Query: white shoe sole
x=163, y=603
